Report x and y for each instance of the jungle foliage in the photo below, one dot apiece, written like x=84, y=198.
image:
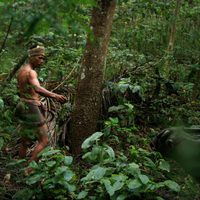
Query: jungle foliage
x=151, y=81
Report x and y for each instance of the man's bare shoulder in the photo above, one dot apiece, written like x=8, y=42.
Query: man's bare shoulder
x=26, y=71
x=32, y=73
x=24, y=68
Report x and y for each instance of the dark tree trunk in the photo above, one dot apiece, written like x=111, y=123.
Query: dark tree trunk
x=88, y=98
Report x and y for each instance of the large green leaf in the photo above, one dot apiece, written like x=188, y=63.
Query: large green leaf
x=24, y=194
x=61, y=170
x=143, y=178
x=110, y=152
x=134, y=184
x=172, y=185
x=93, y=154
x=1, y=104
x=68, y=160
x=108, y=187
x=122, y=196
x=95, y=174
x=115, y=183
x=34, y=178
x=48, y=151
x=123, y=87
x=68, y=175
x=33, y=165
x=90, y=140
x=133, y=169
x=50, y=163
x=116, y=108
x=119, y=181
x=70, y=187
x=164, y=165
x=82, y=195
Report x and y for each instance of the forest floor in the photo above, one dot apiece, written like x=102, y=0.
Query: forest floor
x=10, y=174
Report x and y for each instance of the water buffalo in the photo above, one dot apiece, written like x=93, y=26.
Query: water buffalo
x=182, y=145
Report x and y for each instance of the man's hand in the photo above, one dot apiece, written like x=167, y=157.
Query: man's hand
x=60, y=98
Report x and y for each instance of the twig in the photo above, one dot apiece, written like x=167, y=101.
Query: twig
x=67, y=77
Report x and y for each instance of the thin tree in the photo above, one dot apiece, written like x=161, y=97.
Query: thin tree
x=172, y=37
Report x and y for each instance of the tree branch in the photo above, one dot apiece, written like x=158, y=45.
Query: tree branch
x=6, y=36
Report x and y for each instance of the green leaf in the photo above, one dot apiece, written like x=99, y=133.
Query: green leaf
x=48, y=151
x=114, y=120
x=130, y=106
x=134, y=184
x=95, y=174
x=115, y=183
x=159, y=198
x=68, y=186
x=149, y=163
x=61, y=170
x=108, y=187
x=94, y=154
x=50, y=163
x=172, y=185
x=16, y=162
x=110, y=152
x=68, y=160
x=90, y=140
x=82, y=195
x=33, y=165
x=136, y=88
x=164, y=165
x=122, y=196
x=24, y=194
x=119, y=181
x=1, y=104
x=133, y=151
x=144, y=179
x=116, y=108
x=34, y=178
x=68, y=175
x=123, y=87
x=49, y=183
x=133, y=169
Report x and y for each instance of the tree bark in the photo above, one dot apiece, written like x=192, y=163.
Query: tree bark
x=88, y=98
x=171, y=43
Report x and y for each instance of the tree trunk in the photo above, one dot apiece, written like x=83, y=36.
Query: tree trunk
x=196, y=87
x=170, y=47
x=88, y=98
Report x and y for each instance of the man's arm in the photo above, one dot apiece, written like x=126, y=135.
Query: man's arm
x=33, y=80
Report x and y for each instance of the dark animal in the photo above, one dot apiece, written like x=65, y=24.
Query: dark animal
x=182, y=145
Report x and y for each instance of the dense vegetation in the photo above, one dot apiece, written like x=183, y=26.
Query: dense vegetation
x=151, y=82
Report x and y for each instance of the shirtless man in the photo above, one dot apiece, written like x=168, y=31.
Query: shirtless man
x=29, y=109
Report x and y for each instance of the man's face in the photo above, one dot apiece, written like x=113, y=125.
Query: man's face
x=38, y=60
